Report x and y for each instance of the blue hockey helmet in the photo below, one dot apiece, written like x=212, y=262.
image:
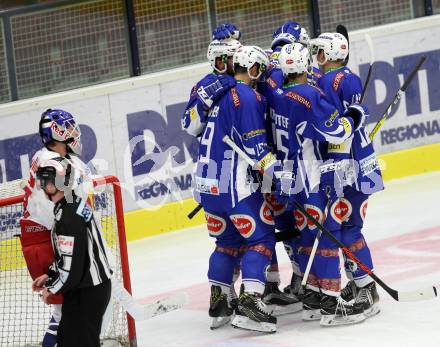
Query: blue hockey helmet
x=59, y=125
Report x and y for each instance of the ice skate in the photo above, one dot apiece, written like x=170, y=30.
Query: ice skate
x=219, y=309
x=281, y=303
x=254, y=315
x=349, y=292
x=311, y=305
x=295, y=287
x=368, y=297
x=336, y=311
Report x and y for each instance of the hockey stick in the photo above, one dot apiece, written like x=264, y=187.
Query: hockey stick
x=142, y=312
x=416, y=295
x=370, y=68
x=315, y=246
x=194, y=211
x=341, y=29
x=397, y=97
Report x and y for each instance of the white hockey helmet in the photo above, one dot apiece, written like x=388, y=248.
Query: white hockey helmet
x=248, y=56
x=334, y=45
x=294, y=58
x=221, y=49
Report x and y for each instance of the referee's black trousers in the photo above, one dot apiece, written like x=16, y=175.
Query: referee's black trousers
x=82, y=313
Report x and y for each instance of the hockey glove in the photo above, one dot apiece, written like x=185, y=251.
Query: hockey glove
x=358, y=113
x=226, y=31
x=214, y=89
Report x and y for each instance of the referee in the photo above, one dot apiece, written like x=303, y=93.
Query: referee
x=81, y=269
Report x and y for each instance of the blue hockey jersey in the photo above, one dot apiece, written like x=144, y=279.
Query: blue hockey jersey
x=343, y=88
x=222, y=178
x=304, y=122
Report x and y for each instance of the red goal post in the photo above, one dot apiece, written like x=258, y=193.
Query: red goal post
x=23, y=316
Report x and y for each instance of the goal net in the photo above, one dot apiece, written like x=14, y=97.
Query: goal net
x=23, y=316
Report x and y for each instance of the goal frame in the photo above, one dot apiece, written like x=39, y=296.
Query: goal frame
x=119, y=213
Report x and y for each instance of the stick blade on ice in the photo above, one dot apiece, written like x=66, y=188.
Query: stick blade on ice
x=427, y=293
x=165, y=305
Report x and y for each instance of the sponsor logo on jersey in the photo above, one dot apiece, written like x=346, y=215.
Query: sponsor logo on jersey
x=299, y=98
x=274, y=205
x=65, y=244
x=368, y=164
x=85, y=211
x=193, y=114
x=331, y=119
x=363, y=210
x=253, y=133
x=207, y=185
x=346, y=124
x=193, y=90
x=300, y=220
x=235, y=97
x=244, y=223
x=316, y=213
x=341, y=148
x=267, y=161
x=341, y=210
x=216, y=225
x=271, y=82
x=337, y=80
x=266, y=214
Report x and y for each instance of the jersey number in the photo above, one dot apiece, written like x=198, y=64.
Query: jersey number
x=206, y=140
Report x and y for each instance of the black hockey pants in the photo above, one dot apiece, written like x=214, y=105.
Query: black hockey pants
x=82, y=313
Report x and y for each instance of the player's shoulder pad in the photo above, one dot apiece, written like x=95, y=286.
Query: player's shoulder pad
x=84, y=210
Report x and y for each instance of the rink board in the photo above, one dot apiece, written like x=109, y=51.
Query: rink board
x=131, y=128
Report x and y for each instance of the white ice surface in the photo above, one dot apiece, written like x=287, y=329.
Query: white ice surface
x=403, y=231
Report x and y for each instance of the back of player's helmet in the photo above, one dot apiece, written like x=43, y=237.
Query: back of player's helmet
x=248, y=56
x=294, y=59
x=58, y=172
x=334, y=45
x=59, y=125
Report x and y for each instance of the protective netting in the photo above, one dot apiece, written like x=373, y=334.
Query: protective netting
x=358, y=14
x=171, y=33
x=69, y=47
x=257, y=20
x=23, y=316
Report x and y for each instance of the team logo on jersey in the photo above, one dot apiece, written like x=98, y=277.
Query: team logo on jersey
x=216, y=225
x=65, y=244
x=300, y=220
x=274, y=205
x=337, y=80
x=266, y=214
x=244, y=223
x=341, y=210
x=363, y=210
x=316, y=213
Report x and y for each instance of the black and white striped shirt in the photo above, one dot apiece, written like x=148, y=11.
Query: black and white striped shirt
x=80, y=254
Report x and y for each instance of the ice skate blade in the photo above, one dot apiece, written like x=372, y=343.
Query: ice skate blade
x=372, y=311
x=278, y=310
x=218, y=322
x=243, y=322
x=311, y=315
x=334, y=320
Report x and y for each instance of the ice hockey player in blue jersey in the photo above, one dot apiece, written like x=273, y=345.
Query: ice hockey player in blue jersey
x=305, y=123
x=236, y=213
x=288, y=32
x=212, y=86
x=343, y=88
